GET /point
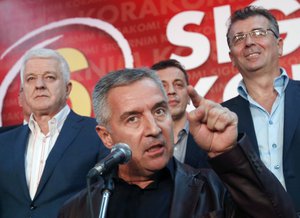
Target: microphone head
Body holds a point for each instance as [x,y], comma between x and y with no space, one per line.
[125,149]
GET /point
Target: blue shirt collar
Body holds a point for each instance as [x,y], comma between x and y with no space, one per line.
[280,84]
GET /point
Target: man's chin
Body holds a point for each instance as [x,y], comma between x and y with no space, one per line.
[158,164]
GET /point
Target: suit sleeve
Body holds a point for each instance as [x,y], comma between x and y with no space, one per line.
[254,189]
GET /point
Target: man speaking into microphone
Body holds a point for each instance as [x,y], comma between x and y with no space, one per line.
[120,154]
[131,107]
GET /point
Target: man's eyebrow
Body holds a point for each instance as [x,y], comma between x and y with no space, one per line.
[163,104]
[127,114]
[256,28]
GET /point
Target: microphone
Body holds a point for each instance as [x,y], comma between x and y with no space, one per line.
[120,154]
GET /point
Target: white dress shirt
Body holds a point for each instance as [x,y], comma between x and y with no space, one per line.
[39,146]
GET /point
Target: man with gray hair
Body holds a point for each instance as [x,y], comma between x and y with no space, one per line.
[44,163]
[131,107]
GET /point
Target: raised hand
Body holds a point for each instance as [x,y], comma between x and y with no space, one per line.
[214,127]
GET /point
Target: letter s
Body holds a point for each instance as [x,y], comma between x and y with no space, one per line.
[197,42]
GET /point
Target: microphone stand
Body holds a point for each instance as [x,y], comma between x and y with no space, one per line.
[107,189]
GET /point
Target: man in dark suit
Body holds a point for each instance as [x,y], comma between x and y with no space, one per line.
[175,81]
[44,163]
[268,101]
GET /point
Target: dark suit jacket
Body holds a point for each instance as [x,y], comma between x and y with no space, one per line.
[200,193]
[195,156]
[77,149]
[7,128]
[291,135]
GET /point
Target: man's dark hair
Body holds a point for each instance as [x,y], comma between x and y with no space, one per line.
[171,63]
[251,11]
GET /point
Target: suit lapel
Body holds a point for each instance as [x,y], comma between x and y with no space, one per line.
[19,154]
[191,155]
[291,113]
[186,193]
[195,156]
[245,123]
[68,132]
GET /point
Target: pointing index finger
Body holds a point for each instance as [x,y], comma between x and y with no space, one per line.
[195,97]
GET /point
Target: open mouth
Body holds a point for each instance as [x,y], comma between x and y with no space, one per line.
[155,150]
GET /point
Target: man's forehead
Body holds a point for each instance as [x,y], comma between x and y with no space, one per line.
[253,22]
[139,92]
[41,64]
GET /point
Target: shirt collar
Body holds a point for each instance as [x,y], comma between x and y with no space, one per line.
[280,84]
[185,129]
[55,122]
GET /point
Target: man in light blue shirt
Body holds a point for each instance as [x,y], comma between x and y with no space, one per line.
[268,101]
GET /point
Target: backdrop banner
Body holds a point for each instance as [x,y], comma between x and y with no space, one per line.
[99,36]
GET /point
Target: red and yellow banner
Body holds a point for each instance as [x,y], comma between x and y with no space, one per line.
[98,36]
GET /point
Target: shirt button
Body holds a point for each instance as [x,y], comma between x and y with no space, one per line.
[276,167]
[274,145]
[270,122]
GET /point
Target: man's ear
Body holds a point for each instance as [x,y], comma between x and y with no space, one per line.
[68,89]
[231,58]
[105,136]
[280,46]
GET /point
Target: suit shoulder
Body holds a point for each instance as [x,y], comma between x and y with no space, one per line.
[294,82]
[13,132]
[90,120]
[231,101]
[83,119]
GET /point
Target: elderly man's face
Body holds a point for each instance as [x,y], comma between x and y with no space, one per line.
[44,88]
[140,118]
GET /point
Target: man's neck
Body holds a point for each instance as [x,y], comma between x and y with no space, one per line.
[261,89]
[132,176]
[42,118]
[42,122]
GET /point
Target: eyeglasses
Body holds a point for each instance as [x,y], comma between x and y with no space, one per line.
[254,34]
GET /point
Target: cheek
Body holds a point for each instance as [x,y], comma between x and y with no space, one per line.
[126,135]
[167,130]
[57,91]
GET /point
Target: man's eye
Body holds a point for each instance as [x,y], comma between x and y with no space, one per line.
[132,119]
[238,38]
[50,77]
[258,33]
[179,85]
[160,112]
[30,78]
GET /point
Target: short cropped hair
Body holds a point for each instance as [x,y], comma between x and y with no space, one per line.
[114,79]
[251,11]
[171,63]
[46,53]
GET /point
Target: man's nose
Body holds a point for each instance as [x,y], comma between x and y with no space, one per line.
[40,83]
[249,40]
[171,90]
[151,126]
